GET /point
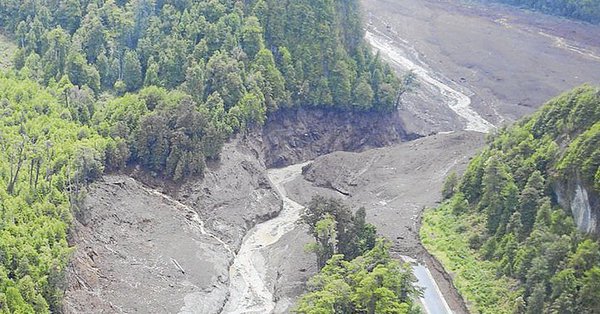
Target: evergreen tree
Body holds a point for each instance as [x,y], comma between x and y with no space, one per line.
[530,198]
[252,37]
[132,71]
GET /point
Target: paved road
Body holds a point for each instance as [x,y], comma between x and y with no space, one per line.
[433,301]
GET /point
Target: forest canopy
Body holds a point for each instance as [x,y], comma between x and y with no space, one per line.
[513,246]
[99,86]
[279,53]
[357,274]
[585,10]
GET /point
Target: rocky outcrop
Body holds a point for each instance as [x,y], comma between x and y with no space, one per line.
[294,135]
[583,202]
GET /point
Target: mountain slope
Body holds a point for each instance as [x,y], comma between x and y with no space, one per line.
[105,86]
[507,232]
[270,52]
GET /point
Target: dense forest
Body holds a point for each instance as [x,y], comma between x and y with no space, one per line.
[99,86]
[56,139]
[279,53]
[511,245]
[585,10]
[357,273]
[44,154]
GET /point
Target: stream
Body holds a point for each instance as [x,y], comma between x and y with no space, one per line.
[249,287]
[250,291]
[456,100]
[432,300]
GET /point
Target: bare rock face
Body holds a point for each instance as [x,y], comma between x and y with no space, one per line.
[141,250]
[294,135]
[583,202]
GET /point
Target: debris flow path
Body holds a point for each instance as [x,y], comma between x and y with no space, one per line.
[249,288]
[456,100]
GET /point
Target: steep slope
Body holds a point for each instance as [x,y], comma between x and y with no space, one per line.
[126,259]
[141,250]
[161,86]
[518,234]
[265,54]
[296,135]
[45,159]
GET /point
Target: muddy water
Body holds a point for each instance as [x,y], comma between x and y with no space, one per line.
[456,100]
[250,289]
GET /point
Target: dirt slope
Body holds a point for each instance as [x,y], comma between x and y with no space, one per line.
[394,184]
[126,260]
[139,250]
[133,241]
[292,136]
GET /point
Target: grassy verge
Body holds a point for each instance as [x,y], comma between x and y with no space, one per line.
[446,236]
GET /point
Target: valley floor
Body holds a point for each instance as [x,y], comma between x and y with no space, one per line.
[394,184]
[507,62]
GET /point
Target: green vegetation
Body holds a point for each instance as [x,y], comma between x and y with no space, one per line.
[370,283]
[237,62]
[54,141]
[46,156]
[512,248]
[357,274]
[98,86]
[337,230]
[586,10]
[275,53]
[7,50]
[443,233]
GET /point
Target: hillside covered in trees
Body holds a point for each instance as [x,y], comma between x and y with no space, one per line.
[357,273]
[507,233]
[100,85]
[54,141]
[276,53]
[585,10]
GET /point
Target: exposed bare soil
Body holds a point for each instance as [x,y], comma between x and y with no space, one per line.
[394,184]
[142,251]
[508,60]
[150,248]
